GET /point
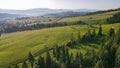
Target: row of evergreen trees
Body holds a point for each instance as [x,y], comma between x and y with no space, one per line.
[91,36]
[8,28]
[60,57]
[114,19]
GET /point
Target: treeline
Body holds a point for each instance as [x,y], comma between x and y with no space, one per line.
[8,28]
[91,36]
[114,19]
[104,11]
[60,57]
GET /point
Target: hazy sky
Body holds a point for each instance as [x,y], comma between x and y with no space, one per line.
[59,4]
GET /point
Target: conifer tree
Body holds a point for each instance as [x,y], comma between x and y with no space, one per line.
[24,65]
[93,34]
[112,32]
[54,53]
[100,30]
[16,66]
[73,42]
[118,37]
[41,62]
[48,60]
[79,37]
[31,59]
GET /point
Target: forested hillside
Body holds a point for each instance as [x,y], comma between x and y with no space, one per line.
[90,41]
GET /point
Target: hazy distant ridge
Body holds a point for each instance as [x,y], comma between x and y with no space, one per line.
[42,11]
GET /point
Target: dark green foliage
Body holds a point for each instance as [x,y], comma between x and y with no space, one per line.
[114,19]
[73,41]
[106,57]
[93,35]
[41,62]
[79,37]
[62,65]
[99,64]
[48,60]
[100,30]
[9,67]
[111,32]
[108,52]
[90,36]
[16,66]
[8,28]
[89,59]
[31,59]
[24,65]
[118,36]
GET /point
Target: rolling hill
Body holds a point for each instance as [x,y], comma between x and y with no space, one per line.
[14,47]
[94,18]
[42,11]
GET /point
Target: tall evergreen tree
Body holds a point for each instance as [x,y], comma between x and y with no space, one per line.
[93,34]
[79,37]
[16,66]
[31,59]
[118,37]
[100,30]
[48,60]
[41,62]
[112,32]
[24,65]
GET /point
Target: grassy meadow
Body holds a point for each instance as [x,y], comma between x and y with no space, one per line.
[94,18]
[14,47]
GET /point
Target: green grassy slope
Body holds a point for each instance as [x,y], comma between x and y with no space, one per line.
[32,20]
[95,18]
[14,47]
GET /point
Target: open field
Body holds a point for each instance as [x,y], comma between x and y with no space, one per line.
[94,18]
[14,47]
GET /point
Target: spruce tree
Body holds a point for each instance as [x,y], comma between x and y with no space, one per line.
[118,37]
[31,59]
[41,62]
[54,53]
[79,37]
[16,66]
[24,65]
[48,60]
[112,32]
[100,30]
[93,34]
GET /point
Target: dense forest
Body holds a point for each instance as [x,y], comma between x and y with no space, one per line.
[8,28]
[107,55]
[114,19]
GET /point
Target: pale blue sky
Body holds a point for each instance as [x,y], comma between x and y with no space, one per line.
[59,4]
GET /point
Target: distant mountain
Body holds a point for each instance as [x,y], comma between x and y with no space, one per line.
[42,11]
[9,16]
[67,14]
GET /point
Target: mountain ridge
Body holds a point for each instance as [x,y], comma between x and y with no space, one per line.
[42,11]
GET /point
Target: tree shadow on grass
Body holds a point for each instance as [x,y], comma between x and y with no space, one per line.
[83,45]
